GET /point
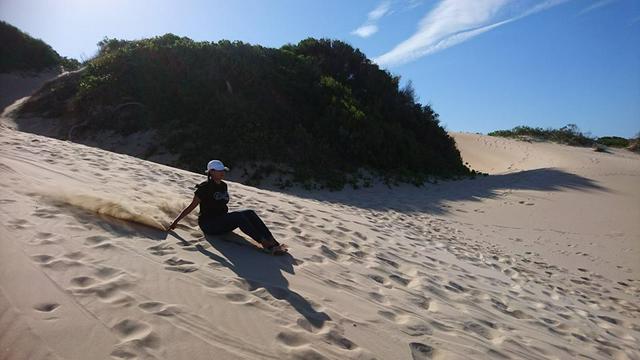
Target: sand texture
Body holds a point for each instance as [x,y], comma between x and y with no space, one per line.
[537,261]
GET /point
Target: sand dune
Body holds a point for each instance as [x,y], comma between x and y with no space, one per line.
[538,261]
[15,86]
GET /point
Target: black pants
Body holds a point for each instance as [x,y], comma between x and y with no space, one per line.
[247,220]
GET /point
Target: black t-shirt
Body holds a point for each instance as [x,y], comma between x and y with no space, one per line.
[213,198]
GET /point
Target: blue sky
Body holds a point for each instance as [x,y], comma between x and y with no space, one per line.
[481,64]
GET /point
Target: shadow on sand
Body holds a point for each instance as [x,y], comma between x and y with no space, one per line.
[245,259]
[431,197]
[260,270]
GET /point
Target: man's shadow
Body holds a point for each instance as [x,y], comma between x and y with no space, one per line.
[260,270]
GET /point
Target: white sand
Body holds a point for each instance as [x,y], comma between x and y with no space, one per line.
[539,261]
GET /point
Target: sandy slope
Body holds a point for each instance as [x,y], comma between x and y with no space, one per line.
[15,86]
[536,262]
[578,207]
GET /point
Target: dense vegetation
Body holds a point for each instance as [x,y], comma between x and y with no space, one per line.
[614,141]
[569,134]
[21,52]
[318,111]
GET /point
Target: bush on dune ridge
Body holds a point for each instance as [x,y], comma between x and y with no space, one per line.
[569,134]
[319,108]
[614,141]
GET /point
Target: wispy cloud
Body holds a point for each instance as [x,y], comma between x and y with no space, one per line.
[365,30]
[596,5]
[380,10]
[414,3]
[452,22]
[370,27]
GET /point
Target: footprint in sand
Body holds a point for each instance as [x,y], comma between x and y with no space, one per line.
[441,326]
[191,245]
[422,302]
[108,287]
[46,213]
[399,279]
[42,259]
[377,278]
[609,319]
[44,238]
[357,256]
[478,329]
[105,272]
[75,255]
[182,269]
[339,285]
[161,250]
[389,315]
[174,261]
[316,259]
[43,235]
[236,297]
[420,351]
[19,224]
[46,307]
[292,339]
[159,308]
[328,252]
[455,287]
[151,306]
[52,263]
[416,327]
[137,337]
[95,240]
[336,338]
[360,236]
[105,246]
[83,281]
[177,264]
[388,261]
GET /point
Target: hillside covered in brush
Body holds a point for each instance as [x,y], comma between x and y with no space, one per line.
[21,52]
[316,112]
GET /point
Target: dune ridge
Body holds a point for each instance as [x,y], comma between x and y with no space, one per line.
[456,270]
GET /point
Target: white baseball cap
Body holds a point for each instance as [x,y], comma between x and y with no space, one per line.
[216,165]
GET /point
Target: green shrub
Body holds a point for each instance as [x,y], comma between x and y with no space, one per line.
[613,141]
[320,108]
